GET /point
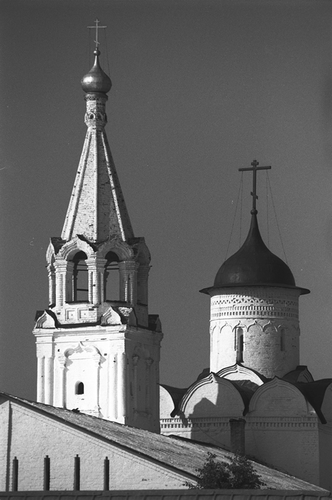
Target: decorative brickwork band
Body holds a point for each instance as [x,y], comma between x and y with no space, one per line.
[274,303]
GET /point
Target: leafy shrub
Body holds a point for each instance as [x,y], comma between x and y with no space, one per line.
[220,475]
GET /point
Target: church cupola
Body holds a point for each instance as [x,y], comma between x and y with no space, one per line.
[254,264]
[254,307]
[96,80]
[97,345]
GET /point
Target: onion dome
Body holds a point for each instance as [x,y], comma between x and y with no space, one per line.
[254,265]
[96,80]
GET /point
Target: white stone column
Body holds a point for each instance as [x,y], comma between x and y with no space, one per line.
[135,382]
[48,381]
[95,376]
[96,279]
[40,379]
[51,284]
[63,282]
[112,391]
[128,281]
[122,386]
[58,396]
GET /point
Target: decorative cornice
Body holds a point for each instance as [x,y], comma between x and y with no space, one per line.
[207,422]
[250,303]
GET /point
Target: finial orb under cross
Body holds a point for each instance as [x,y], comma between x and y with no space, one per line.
[254,167]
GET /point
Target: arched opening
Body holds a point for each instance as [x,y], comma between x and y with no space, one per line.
[239,345]
[79,388]
[111,277]
[80,278]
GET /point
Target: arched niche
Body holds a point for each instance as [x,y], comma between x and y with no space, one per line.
[79,388]
[212,397]
[279,398]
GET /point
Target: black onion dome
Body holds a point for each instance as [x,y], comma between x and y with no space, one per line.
[254,265]
[96,80]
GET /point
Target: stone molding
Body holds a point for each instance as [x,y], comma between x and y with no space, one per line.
[208,422]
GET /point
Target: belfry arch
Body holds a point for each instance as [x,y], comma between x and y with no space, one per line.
[80,278]
[111,277]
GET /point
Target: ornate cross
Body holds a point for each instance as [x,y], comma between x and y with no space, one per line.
[97,27]
[254,169]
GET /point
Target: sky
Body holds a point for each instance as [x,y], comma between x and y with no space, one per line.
[200,89]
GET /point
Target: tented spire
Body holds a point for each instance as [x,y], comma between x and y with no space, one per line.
[97,208]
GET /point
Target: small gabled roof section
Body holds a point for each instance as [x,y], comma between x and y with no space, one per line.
[239,372]
[170,395]
[314,392]
[300,374]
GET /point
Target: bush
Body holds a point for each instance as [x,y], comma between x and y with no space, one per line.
[220,475]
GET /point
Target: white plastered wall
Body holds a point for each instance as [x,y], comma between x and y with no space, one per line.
[31,436]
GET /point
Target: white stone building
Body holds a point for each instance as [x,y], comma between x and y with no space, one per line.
[255,375]
[98,359]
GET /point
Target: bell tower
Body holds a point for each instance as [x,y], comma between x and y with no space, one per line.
[97,346]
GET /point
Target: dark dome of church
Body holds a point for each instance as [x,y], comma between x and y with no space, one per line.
[96,80]
[253,265]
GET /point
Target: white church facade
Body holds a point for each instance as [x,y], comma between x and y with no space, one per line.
[98,391]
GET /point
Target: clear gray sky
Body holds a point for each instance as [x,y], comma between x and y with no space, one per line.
[200,88]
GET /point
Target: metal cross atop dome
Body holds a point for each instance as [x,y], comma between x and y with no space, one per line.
[254,167]
[97,27]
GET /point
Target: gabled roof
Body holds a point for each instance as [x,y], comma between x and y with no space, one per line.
[181,455]
[300,374]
